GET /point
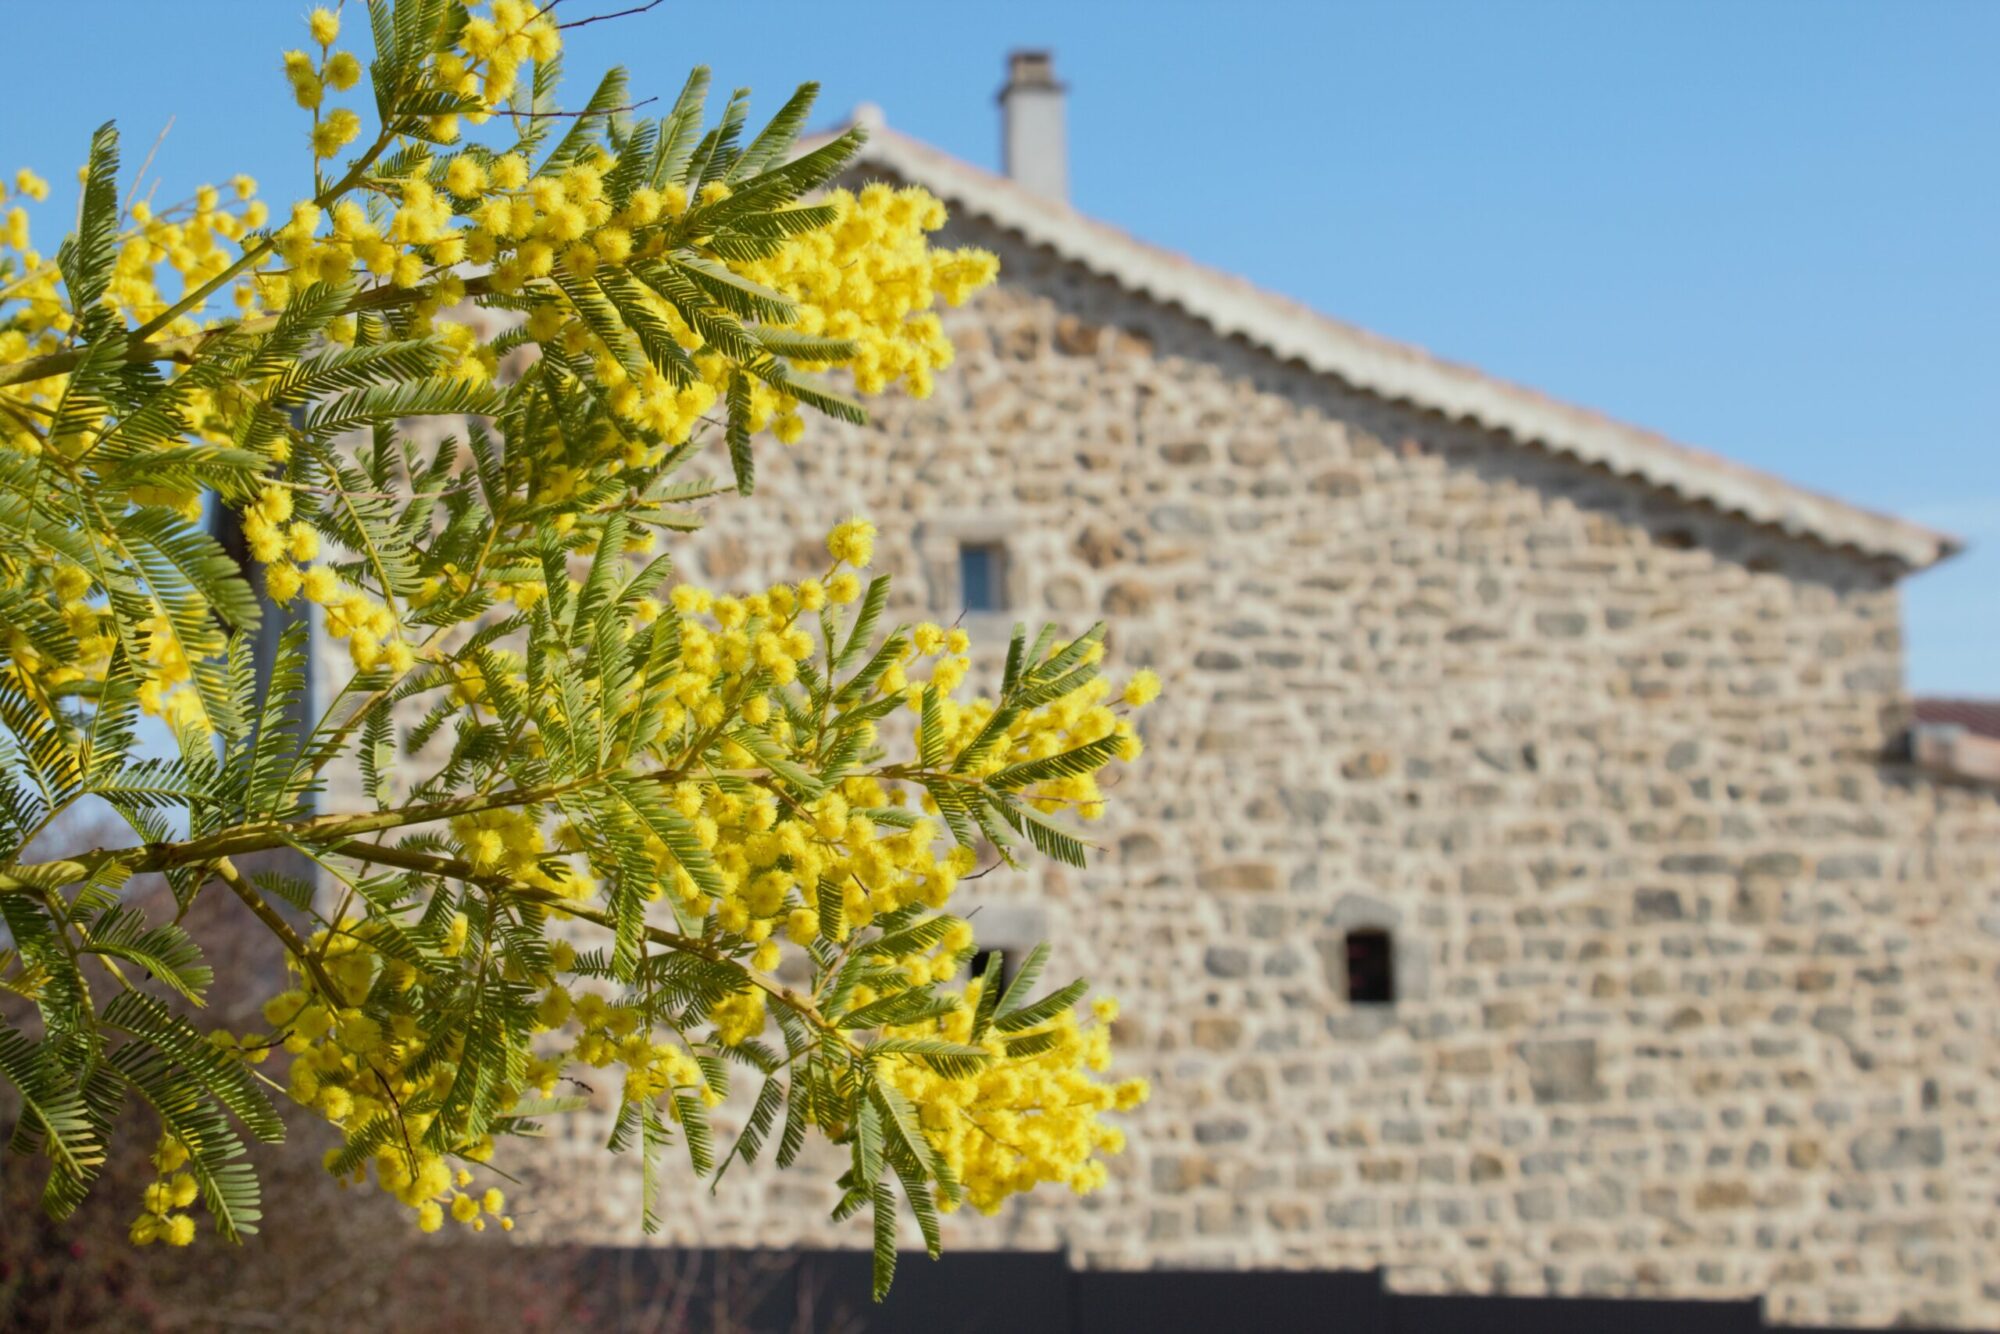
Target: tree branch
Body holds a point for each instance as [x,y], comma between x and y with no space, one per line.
[226,871]
[187,347]
[454,869]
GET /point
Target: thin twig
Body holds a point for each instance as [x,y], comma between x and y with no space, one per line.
[133,193]
[599,18]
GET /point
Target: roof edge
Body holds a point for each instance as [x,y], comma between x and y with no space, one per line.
[1400,372]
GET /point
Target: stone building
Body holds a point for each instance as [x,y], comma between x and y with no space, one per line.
[1533,882]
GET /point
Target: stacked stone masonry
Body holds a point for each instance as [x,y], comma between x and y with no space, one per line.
[1696,985]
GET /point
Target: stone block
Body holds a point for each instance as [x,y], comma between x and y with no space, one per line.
[1562,1070]
[1365,764]
[1238,875]
[1657,905]
[1216,1034]
[1226,961]
[1710,1195]
[1898,1148]
[1225,1130]
[1182,521]
[1561,624]
[1488,878]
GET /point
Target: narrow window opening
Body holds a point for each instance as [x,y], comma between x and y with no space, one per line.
[982,576]
[1371,970]
[997,963]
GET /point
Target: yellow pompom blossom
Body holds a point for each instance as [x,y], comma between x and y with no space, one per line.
[342,71]
[872,278]
[365,1068]
[161,1218]
[1142,689]
[738,1018]
[337,131]
[1019,1123]
[853,543]
[616,830]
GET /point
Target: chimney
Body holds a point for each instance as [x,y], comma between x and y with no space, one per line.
[1032,144]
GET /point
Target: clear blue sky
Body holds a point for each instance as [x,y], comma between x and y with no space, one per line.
[1771,230]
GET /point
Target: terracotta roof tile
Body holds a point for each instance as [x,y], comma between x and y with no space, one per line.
[1981,717]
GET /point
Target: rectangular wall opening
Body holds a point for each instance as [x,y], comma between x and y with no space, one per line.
[1371,968]
[982,576]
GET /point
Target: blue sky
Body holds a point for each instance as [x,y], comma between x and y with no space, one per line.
[1770,230]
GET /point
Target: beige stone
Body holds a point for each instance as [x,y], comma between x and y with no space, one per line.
[1616,771]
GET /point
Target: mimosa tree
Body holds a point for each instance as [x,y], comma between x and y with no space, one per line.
[621,803]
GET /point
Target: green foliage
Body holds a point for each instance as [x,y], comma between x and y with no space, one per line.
[542,727]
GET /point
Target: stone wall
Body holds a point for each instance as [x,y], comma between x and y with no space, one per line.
[1696,989]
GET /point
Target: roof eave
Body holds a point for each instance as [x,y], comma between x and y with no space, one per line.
[1401,373]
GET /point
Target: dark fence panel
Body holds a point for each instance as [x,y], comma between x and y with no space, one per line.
[1569,1315]
[1144,1302]
[974,1292]
[1013,1292]
[660,1291]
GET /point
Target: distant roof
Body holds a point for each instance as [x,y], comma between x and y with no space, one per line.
[1398,371]
[1981,717]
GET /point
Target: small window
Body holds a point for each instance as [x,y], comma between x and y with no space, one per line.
[1371,969]
[997,962]
[982,576]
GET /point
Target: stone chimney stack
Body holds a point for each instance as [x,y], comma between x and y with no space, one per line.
[1033,146]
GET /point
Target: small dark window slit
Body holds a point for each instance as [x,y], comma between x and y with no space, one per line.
[1371,968]
[982,576]
[996,960]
